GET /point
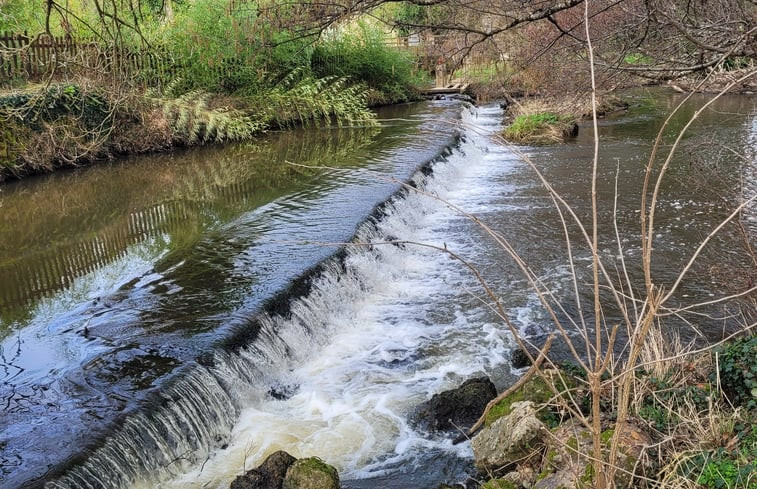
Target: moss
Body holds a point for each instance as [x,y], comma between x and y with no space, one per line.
[535,390]
[499,484]
[572,443]
[606,436]
[311,473]
[316,464]
[538,391]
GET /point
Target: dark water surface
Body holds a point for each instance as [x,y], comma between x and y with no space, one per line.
[127,291]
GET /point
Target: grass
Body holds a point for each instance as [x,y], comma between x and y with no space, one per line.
[541,128]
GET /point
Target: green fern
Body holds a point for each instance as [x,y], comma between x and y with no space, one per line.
[303,99]
[193,122]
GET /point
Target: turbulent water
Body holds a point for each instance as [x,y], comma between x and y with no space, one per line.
[378,329]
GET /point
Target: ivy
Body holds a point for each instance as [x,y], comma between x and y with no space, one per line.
[738,371]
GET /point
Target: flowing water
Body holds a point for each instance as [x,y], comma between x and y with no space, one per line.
[147,335]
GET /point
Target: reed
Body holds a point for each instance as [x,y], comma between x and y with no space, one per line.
[631,372]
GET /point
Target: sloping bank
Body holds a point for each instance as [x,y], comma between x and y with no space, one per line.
[66,125]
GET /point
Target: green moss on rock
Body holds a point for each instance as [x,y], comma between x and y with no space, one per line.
[311,473]
[498,484]
[538,391]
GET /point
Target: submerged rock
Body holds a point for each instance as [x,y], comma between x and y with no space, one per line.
[519,359]
[311,473]
[509,439]
[457,408]
[269,475]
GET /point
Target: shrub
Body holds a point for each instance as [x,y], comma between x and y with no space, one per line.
[738,371]
[363,57]
[223,51]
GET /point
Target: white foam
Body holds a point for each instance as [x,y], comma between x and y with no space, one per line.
[371,342]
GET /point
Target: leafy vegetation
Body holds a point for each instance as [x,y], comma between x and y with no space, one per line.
[219,72]
[541,128]
[362,56]
[738,371]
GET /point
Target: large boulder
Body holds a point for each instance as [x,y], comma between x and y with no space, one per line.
[311,473]
[566,462]
[269,475]
[458,408]
[509,439]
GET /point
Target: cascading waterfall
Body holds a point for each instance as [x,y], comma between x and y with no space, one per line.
[188,419]
[379,331]
[387,325]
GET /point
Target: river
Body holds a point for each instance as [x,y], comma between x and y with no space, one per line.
[148,338]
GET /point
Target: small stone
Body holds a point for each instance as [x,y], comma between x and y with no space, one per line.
[519,359]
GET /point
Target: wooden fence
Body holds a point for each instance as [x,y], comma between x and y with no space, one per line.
[33,57]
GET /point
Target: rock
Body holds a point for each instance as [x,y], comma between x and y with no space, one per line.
[523,476]
[509,439]
[571,131]
[566,465]
[269,475]
[457,408]
[311,473]
[498,484]
[519,359]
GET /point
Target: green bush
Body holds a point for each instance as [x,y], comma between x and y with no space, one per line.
[222,51]
[34,108]
[363,57]
[737,362]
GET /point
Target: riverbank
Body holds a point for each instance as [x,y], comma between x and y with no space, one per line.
[68,125]
[689,424]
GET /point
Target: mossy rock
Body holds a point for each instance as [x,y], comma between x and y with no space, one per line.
[565,462]
[538,391]
[311,473]
[498,484]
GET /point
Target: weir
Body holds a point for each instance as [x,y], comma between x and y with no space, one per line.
[179,427]
[338,358]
